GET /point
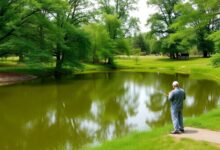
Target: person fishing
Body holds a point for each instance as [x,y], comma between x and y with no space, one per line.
[176,97]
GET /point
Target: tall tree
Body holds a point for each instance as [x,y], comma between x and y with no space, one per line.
[13,15]
[121,9]
[71,44]
[161,22]
[101,43]
[43,30]
[140,42]
[117,20]
[198,20]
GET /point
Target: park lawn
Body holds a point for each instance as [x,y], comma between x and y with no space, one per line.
[196,66]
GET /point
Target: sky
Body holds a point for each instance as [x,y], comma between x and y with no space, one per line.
[143,13]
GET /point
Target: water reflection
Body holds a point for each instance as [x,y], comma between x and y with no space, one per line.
[91,108]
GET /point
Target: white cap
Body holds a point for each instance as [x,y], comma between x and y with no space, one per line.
[175,84]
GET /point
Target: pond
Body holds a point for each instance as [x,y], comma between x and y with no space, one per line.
[88,109]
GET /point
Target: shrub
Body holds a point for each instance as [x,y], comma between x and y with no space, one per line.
[216,60]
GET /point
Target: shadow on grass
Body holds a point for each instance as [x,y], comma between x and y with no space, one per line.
[176,60]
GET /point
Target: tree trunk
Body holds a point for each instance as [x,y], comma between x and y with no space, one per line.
[205,54]
[172,55]
[177,55]
[95,58]
[110,60]
[21,58]
[59,62]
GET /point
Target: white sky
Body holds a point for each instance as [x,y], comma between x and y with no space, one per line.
[143,13]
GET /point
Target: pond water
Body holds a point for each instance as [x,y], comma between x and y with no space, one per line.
[91,108]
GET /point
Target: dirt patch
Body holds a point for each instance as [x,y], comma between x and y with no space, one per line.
[12,78]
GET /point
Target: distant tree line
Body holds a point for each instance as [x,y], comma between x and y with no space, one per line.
[66,33]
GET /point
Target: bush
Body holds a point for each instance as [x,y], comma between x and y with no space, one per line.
[216,60]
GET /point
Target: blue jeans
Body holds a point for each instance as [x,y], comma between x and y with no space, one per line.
[177,119]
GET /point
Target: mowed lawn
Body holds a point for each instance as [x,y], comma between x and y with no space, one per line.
[164,64]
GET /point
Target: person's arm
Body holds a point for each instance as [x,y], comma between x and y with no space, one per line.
[170,96]
[184,97]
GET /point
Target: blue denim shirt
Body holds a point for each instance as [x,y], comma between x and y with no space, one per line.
[176,97]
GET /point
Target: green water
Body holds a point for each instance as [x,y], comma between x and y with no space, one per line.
[88,109]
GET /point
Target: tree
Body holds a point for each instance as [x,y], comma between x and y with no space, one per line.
[161,22]
[140,42]
[112,24]
[123,46]
[117,21]
[215,37]
[39,31]
[13,17]
[101,43]
[71,44]
[13,14]
[197,21]
[121,10]
[80,11]
[153,43]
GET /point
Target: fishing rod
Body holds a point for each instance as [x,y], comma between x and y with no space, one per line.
[162,92]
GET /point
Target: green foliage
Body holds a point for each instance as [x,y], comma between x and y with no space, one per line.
[216,38]
[181,25]
[216,60]
[112,24]
[123,46]
[153,43]
[44,31]
[140,42]
[161,23]
[76,48]
[133,27]
[121,10]
[101,44]
[197,21]
[38,58]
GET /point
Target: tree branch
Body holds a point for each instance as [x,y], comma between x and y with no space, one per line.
[23,20]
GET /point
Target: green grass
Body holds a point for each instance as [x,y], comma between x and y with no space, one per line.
[197,67]
[211,120]
[37,71]
[157,139]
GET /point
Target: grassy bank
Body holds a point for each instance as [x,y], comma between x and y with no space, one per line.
[197,67]
[159,138]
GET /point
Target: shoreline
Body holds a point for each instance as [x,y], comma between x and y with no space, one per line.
[14,78]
